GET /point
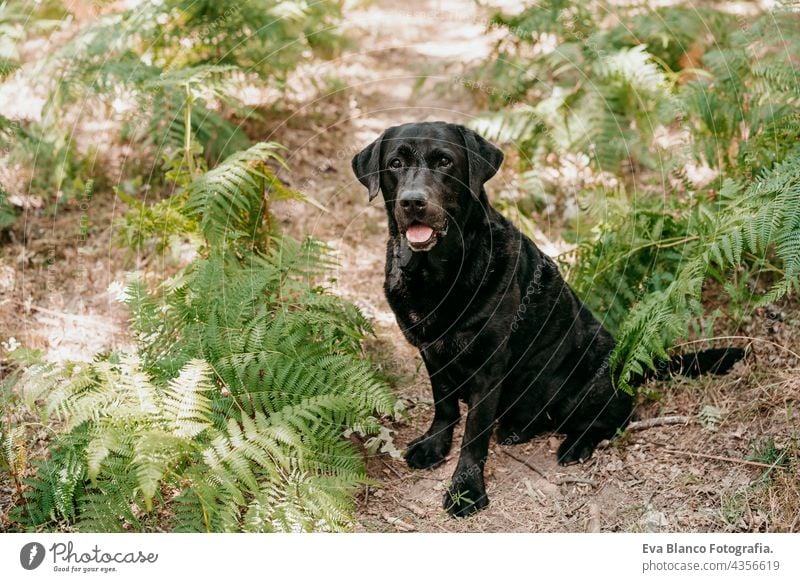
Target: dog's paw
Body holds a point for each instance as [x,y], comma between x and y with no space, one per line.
[465,496]
[426,452]
[575,450]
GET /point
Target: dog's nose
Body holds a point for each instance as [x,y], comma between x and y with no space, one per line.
[413,200]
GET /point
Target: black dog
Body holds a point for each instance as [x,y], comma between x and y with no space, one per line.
[494,321]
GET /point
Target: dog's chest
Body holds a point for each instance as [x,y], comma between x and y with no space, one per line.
[419,316]
[451,346]
[419,325]
[433,329]
[436,309]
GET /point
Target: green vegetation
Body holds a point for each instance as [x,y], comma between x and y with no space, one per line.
[155,69]
[640,96]
[230,414]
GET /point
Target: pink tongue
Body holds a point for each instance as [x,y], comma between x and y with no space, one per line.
[419,233]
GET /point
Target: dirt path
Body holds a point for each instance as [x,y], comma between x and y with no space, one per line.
[55,276]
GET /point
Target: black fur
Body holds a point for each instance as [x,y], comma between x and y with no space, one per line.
[494,321]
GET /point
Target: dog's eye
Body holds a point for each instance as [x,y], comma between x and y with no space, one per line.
[444,162]
[396,163]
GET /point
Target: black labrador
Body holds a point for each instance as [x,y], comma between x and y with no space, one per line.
[495,323]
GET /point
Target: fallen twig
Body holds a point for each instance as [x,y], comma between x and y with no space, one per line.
[658,421]
[564,479]
[571,512]
[528,464]
[412,507]
[593,525]
[392,469]
[398,523]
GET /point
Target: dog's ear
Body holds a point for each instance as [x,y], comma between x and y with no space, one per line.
[367,167]
[483,159]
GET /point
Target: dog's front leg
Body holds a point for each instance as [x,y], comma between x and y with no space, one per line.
[467,492]
[430,449]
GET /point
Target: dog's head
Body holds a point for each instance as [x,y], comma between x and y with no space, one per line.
[431,174]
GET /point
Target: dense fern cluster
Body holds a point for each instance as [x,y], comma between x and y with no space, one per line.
[231,414]
[589,92]
[582,84]
[270,457]
[743,228]
[644,94]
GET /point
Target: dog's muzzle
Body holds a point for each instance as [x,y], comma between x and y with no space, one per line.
[423,237]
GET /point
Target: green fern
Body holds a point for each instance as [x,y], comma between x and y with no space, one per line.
[592,93]
[164,51]
[167,71]
[225,206]
[148,439]
[247,374]
[649,244]
[764,218]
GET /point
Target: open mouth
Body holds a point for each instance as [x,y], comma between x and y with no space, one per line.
[422,237]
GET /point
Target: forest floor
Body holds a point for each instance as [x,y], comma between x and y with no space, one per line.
[730,466]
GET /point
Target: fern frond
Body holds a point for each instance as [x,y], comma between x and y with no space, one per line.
[186,405]
[228,200]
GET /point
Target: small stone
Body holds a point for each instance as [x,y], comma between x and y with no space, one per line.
[654,521]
